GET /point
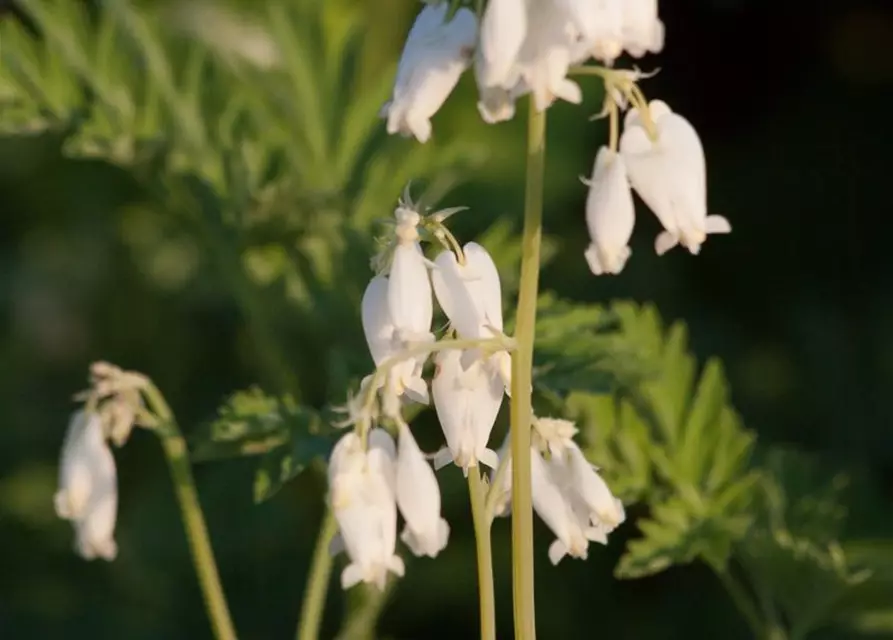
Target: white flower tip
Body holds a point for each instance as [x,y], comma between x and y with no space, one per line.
[90,549]
[717,224]
[396,566]
[664,242]
[351,576]
[490,458]
[612,263]
[429,543]
[597,534]
[442,458]
[557,551]
[416,389]
[63,506]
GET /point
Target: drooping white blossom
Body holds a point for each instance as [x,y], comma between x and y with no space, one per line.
[669,173]
[567,492]
[546,55]
[610,214]
[384,341]
[362,493]
[561,513]
[88,487]
[608,27]
[471,297]
[555,434]
[418,497]
[467,403]
[503,29]
[643,31]
[605,510]
[599,24]
[495,103]
[435,54]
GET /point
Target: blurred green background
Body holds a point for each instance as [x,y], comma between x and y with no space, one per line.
[791,101]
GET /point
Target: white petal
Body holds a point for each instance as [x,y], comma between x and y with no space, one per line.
[546,55]
[610,214]
[483,283]
[552,505]
[643,32]
[409,291]
[454,297]
[418,497]
[434,56]
[88,487]
[670,175]
[593,490]
[503,28]
[467,403]
[377,324]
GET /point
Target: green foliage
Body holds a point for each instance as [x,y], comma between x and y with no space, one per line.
[662,434]
[795,558]
[286,436]
[666,436]
[268,147]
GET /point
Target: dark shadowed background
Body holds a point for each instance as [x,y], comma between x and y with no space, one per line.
[793,102]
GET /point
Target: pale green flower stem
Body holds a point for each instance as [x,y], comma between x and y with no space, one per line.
[522,376]
[177,455]
[317,581]
[481,519]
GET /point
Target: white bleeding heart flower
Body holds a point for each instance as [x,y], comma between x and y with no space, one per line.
[471,297]
[503,30]
[561,513]
[610,214]
[605,510]
[418,497]
[88,487]
[495,103]
[555,434]
[436,53]
[643,31]
[467,403]
[546,55]
[600,26]
[362,494]
[669,173]
[385,340]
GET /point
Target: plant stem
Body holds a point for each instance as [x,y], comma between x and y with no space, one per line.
[177,455]
[522,366]
[744,603]
[484,555]
[317,581]
[360,622]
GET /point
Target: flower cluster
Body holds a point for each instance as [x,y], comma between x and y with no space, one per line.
[521,47]
[661,157]
[88,481]
[372,478]
[567,492]
[518,47]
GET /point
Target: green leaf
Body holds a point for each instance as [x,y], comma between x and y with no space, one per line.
[288,460]
[288,436]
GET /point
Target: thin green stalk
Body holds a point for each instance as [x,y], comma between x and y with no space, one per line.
[522,366]
[364,612]
[177,455]
[484,555]
[744,603]
[317,581]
